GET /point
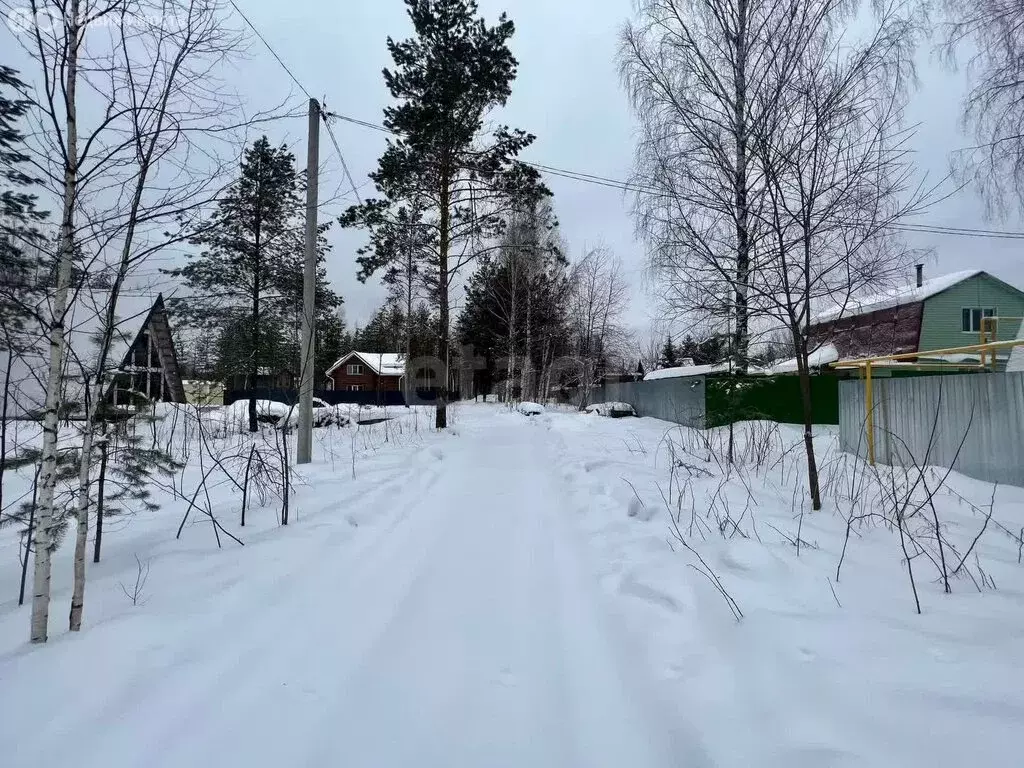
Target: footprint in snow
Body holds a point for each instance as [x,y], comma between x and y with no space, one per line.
[639,510]
[630,587]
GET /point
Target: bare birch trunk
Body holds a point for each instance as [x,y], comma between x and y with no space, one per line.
[82,528]
[527,390]
[48,475]
[546,372]
[742,201]
[146,148]
[510,368]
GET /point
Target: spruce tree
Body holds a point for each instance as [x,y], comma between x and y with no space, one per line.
[446,80]
[248,276]
[332,341]
[515,305]
[130,463]
[668,355]
[19,236]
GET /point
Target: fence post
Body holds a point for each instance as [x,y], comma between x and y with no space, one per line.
[869,396]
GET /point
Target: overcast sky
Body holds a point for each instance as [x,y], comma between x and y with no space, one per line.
[568,94]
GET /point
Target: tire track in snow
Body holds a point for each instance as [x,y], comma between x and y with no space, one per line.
[502,654]
[463,628]
[210,671]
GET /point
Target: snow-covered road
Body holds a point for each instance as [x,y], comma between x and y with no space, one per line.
[513,592]
[465,628]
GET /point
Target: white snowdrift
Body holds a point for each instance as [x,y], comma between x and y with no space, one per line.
[684,371]
[611,409]
[820,357]
[530,409]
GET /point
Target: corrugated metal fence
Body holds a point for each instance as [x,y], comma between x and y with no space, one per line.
[680,400]
[974,420]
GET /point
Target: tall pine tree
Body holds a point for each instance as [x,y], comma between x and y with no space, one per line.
[248,277]
[446,80]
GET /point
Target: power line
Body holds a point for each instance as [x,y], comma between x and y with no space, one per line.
[955,232]
[330,131]
[270,48]
[625,186]
[582,176]
[344,165]
[363,123]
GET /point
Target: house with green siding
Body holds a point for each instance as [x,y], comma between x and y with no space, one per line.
[935,314]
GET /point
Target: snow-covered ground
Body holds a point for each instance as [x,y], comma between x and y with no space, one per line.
[534,592]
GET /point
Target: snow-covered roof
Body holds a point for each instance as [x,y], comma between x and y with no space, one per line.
[381,363]
[683,371]
[816,359]
[895,297]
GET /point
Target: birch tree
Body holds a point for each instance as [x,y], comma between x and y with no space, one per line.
[702,76]
[144,162]
[599,295]
[839,176]
[988,33]
[60,90]
[515,304]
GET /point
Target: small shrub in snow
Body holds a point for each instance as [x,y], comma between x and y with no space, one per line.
[531,409]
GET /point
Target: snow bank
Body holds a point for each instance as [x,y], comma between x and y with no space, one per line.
[530,409]
[814,677]
[612,409]
[684,371]
[264,408]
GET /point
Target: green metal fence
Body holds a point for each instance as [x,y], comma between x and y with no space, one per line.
[772,398]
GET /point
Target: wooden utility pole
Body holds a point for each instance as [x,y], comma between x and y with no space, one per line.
[304,454]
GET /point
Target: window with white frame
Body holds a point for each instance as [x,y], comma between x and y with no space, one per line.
[970,318]
[355,387]
[355,370]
